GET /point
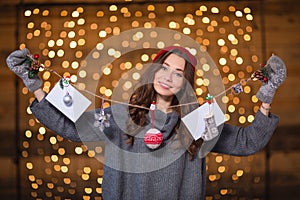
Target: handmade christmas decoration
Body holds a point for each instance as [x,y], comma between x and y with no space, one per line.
[102,119]
[153,137]
[64,84]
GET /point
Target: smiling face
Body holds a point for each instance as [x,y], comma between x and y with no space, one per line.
[169,79]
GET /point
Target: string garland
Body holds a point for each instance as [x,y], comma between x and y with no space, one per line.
[34,66]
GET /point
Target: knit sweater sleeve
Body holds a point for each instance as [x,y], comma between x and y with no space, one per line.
[83,130]
[243,141]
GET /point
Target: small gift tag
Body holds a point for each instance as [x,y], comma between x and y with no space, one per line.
[68,100]
[195,122]
[237,88]
[211,130]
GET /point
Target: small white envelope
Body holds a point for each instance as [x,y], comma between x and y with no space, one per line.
[194,121]
[79,105]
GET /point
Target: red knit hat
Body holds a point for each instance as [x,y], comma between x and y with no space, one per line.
[183,50]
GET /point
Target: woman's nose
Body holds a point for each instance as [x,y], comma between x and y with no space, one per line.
[169,76]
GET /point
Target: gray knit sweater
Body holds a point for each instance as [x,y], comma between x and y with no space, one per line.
[136,172]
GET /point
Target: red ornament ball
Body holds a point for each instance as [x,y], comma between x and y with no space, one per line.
[153,138]
[36,56]
[265,79]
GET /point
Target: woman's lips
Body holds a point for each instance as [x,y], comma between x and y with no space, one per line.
[164,86]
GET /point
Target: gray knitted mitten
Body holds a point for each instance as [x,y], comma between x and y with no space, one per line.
[211,130]
[276,71]
[17,62]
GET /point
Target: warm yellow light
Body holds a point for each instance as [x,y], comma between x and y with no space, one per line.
[234,52]
[71,34]
[203,8]
[30,25]
[231,37]
[145,57]
[225,19]
[102,34]
[28,133]
[151,8]
[54,158]
[29,165]
[75,14]
[249,17]
[27,13]
[64,169]
[81,21]
[206,67]
[222,61]
[127,85]
[239,172]
[87,170]
[73,44]
[53,140]
[78,150]
[247,37]
[108,93]
[215,10]
[88,190]
[250,118]
[247,89]
[238,13]
[173,25]
[205,20]
[239,60]
[63,13]
[100,14]
[231,108]
[113,18]
[221,42]
[231,77]
[219,159]
[199,91]
[221,169]
[85,177]
[60,53]
[42,130]
[113,8]
[223,191]
[170,9]
[242,119]
[227,116]
[212,177]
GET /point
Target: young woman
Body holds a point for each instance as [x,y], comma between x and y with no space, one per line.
[175,169]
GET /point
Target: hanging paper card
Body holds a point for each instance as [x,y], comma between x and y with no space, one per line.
[73,110]
[195,123]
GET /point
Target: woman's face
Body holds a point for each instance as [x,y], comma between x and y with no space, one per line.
[168,80]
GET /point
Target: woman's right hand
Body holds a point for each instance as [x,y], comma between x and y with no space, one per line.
[19,63]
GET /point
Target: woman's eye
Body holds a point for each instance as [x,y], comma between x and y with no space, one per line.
[179,75]
[163,68]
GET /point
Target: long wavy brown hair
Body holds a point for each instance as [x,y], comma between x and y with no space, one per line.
[145,94]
